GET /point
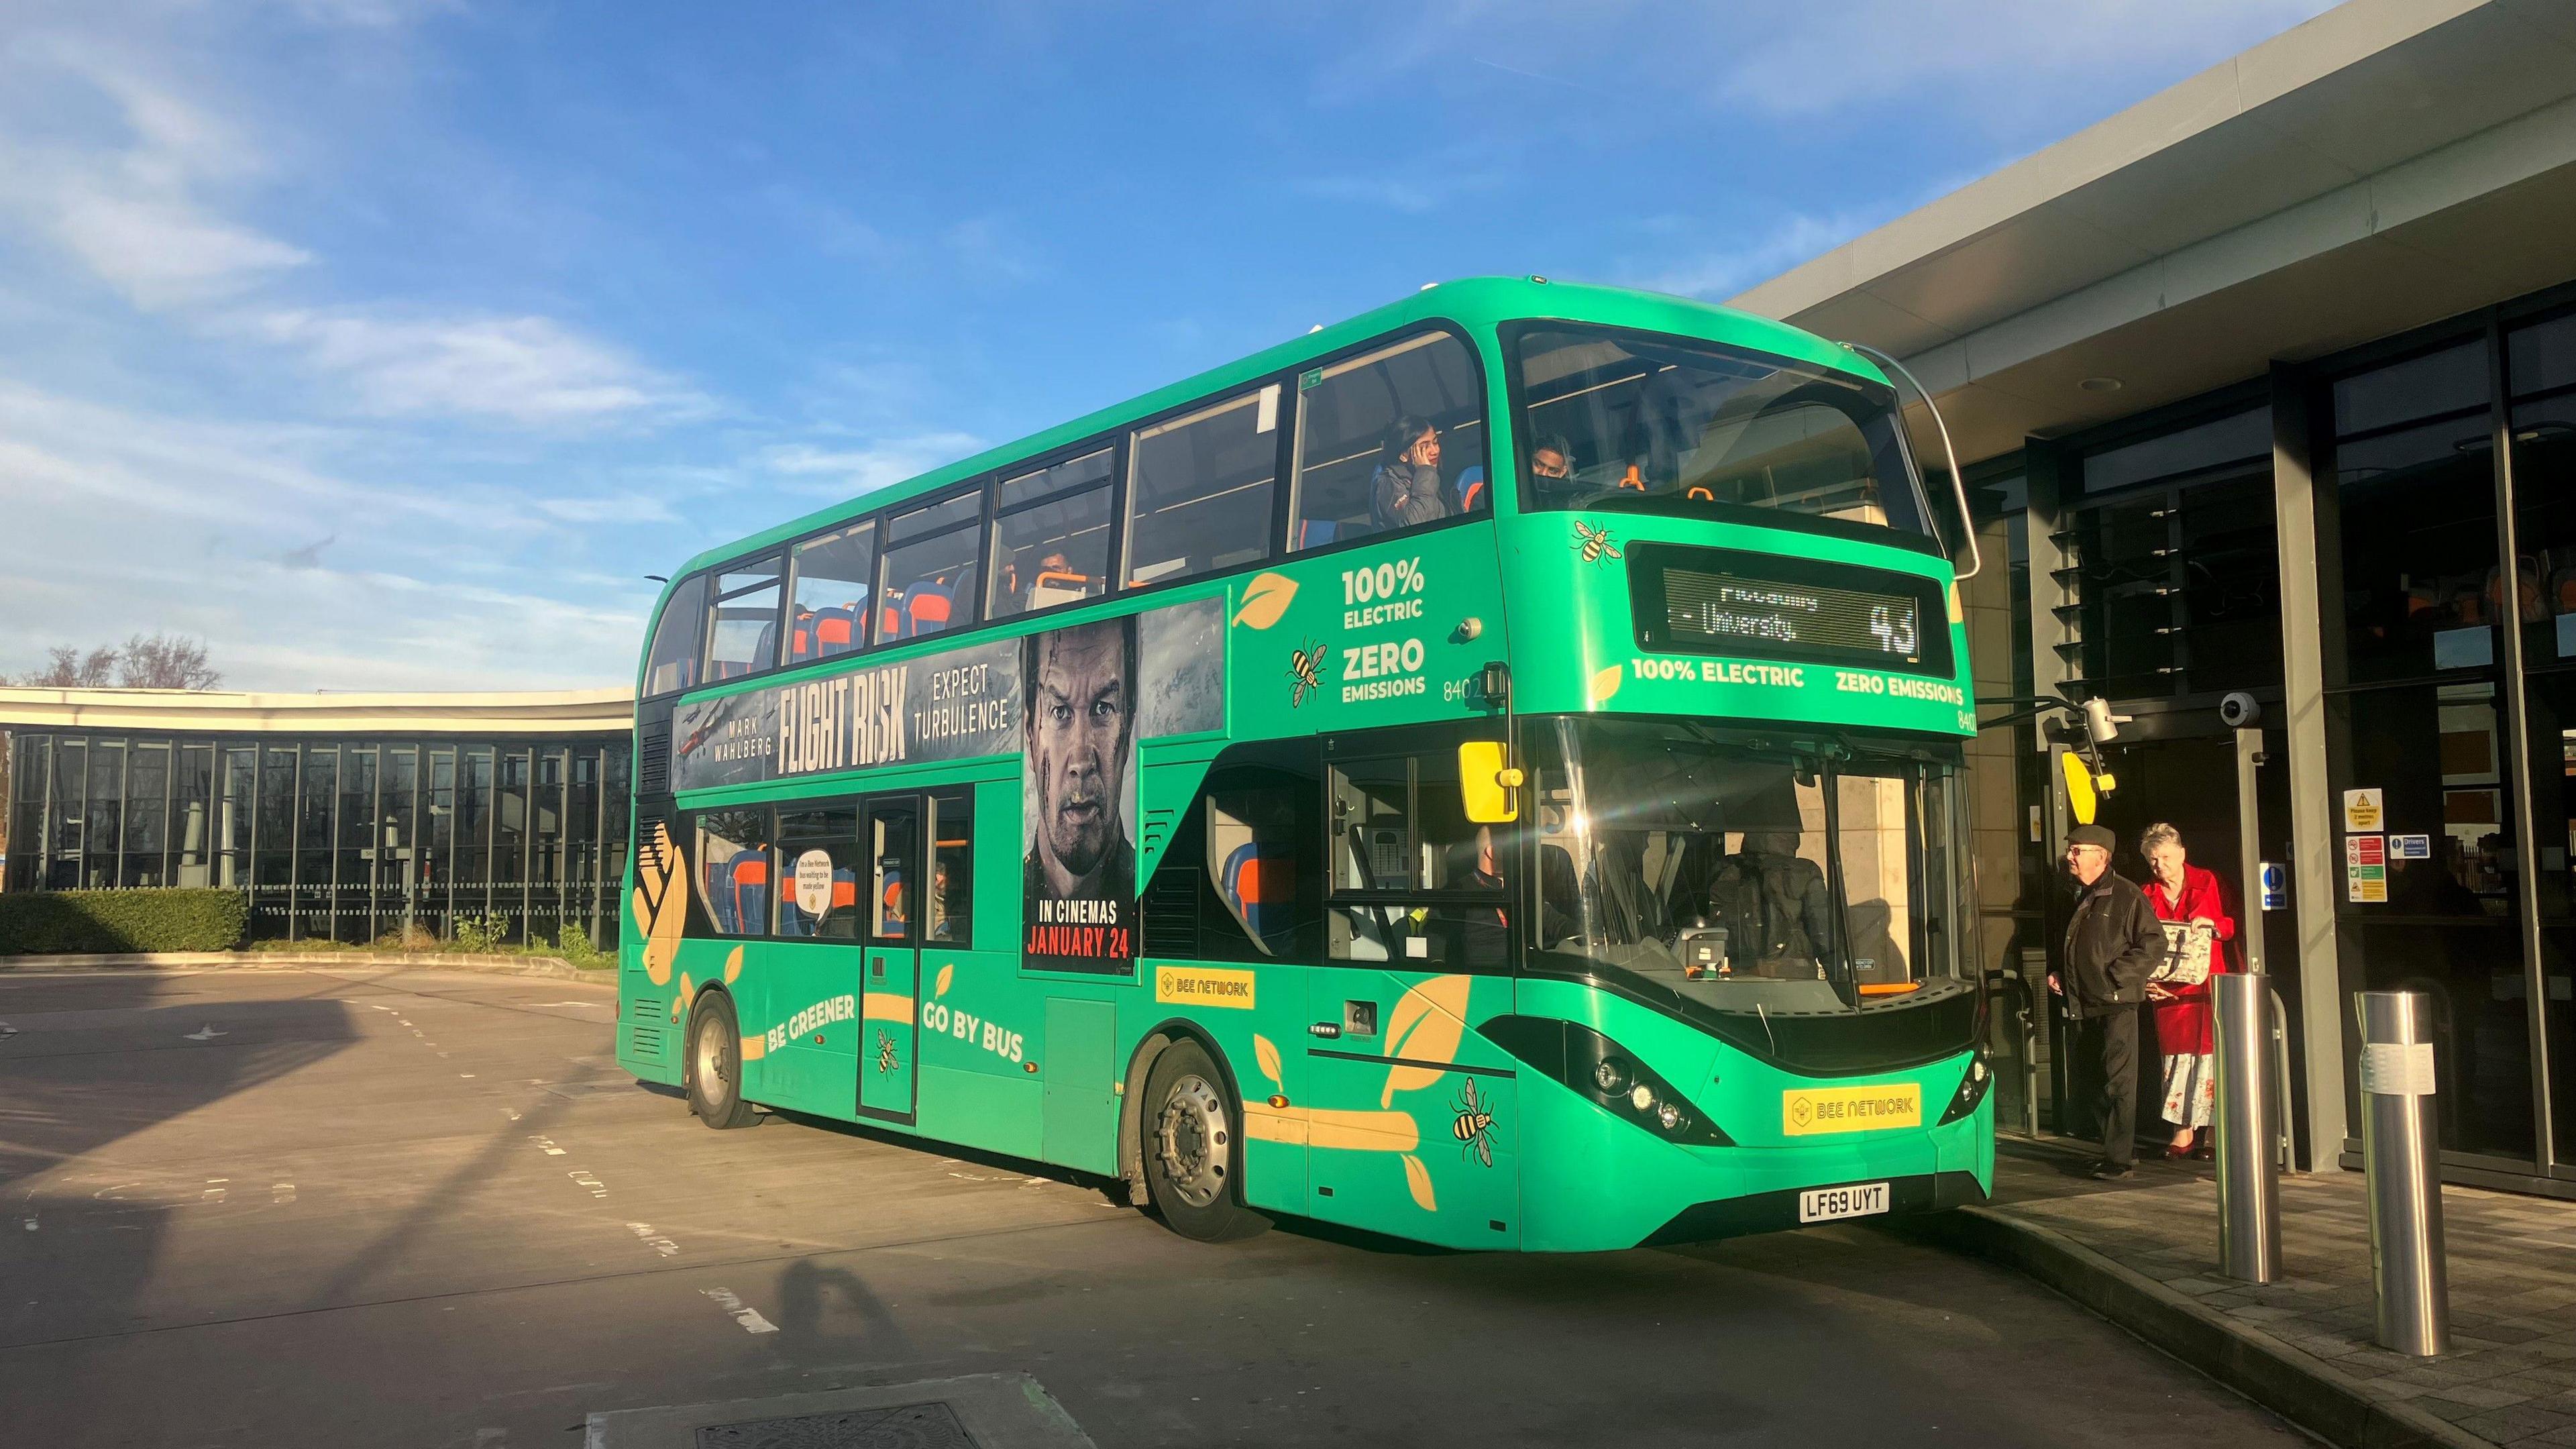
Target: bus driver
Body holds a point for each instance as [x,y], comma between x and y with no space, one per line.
[1080,685]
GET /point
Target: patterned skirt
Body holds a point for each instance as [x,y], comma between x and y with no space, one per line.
[2191,1088]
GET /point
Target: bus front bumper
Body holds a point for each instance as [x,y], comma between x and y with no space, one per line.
[1769,1212]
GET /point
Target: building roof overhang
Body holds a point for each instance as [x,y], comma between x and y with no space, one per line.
[184,711]
[2388,164]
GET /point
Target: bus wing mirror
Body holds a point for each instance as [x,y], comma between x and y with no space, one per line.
[1486,785]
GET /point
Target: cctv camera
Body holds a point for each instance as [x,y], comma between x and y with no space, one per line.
[2240,710]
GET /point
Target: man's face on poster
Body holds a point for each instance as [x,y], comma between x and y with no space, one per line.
[1078,742]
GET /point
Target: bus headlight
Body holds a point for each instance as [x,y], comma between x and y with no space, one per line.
[1973,1085]
[1605,1074]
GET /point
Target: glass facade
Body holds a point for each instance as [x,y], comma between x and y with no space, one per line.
[357,839]
[2147,570]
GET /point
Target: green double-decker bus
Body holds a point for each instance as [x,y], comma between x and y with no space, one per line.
[1486,772]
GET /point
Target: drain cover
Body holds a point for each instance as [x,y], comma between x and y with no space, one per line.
[905,1426]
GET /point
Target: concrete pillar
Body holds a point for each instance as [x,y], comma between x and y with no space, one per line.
[2311,657]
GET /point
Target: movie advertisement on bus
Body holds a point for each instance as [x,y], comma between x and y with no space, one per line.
[954,705]
[1092,691]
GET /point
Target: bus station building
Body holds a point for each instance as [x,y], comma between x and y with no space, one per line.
[2268,384]
[344,817]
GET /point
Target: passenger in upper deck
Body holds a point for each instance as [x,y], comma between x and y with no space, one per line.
[1405,490]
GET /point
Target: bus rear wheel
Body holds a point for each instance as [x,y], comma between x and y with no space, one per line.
[715,1065]
[1193,1148]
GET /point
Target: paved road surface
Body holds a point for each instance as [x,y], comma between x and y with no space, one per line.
[298,1208]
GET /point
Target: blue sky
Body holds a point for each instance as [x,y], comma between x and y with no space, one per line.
[389,343]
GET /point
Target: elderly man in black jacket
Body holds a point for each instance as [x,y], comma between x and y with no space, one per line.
[2112,946]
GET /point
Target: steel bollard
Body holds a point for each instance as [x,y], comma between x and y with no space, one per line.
[2249,1188]
[2399,1140]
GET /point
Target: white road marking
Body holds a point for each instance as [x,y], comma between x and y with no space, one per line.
[204,1033]
[583,1176]
[547,1143]
[31,1222]
[214,1189]
[748,1317]
[283,1192]
[469,1076]
[658,1243]
[514,1116]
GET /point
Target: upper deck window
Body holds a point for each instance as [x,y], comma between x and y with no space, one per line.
[1198,498]
[1051,540]
[742,622]
[1389,439]
[930,562]
[1672,425]
[672,662]
[830,593]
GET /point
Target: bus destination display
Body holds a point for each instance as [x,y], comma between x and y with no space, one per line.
[1703,601]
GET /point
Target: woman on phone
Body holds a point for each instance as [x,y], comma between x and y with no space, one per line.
[2185,894]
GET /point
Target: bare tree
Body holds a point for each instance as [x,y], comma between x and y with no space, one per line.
[161,661]
[145,661]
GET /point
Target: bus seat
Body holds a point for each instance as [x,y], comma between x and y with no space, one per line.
[1057,586]
[719,897]
[836,631]
[764,650]
[1258,885]
[845,889]
[892,920]
[1315,532]
[926,608]
[1471,490]
[749,879]
[800,637]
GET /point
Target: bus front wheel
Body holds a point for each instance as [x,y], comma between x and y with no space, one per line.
[715,1065]
[1193,1149]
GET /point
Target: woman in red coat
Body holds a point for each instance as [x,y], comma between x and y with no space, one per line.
[2182,892]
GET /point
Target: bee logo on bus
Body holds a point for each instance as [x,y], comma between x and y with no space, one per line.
[886,1060]
[1474,1127]
[1306,667]
[1593,543]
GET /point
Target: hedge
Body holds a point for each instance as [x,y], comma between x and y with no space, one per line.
[52,923]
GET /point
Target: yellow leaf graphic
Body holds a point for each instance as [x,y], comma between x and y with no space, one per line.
[1418,1178]
[947,974]
[754,1048]
[680,998]
[1605,683]
[733,966]
[1265,599]
[1426,1026]
[1268,1056]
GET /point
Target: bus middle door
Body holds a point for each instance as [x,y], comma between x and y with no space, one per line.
[891,984]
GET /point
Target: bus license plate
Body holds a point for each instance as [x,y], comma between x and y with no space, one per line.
[1823,1204]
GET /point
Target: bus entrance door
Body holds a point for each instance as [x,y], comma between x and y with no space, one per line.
[891,989]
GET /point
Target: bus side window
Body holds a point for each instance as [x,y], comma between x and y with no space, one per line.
[1413,881]
[1344,416]
[742,622]
[1051,536]
[1240,880]
[1198,492]
[951,901]
[931,557]
[816,867]
[829,592]
[732,862]
[672,662]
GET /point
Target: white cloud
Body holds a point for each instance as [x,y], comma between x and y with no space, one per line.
[1719,274]
[161,251]
[525,369]
[853,472]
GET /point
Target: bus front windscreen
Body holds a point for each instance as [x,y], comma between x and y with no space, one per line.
[1738,878]
[1641,422]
